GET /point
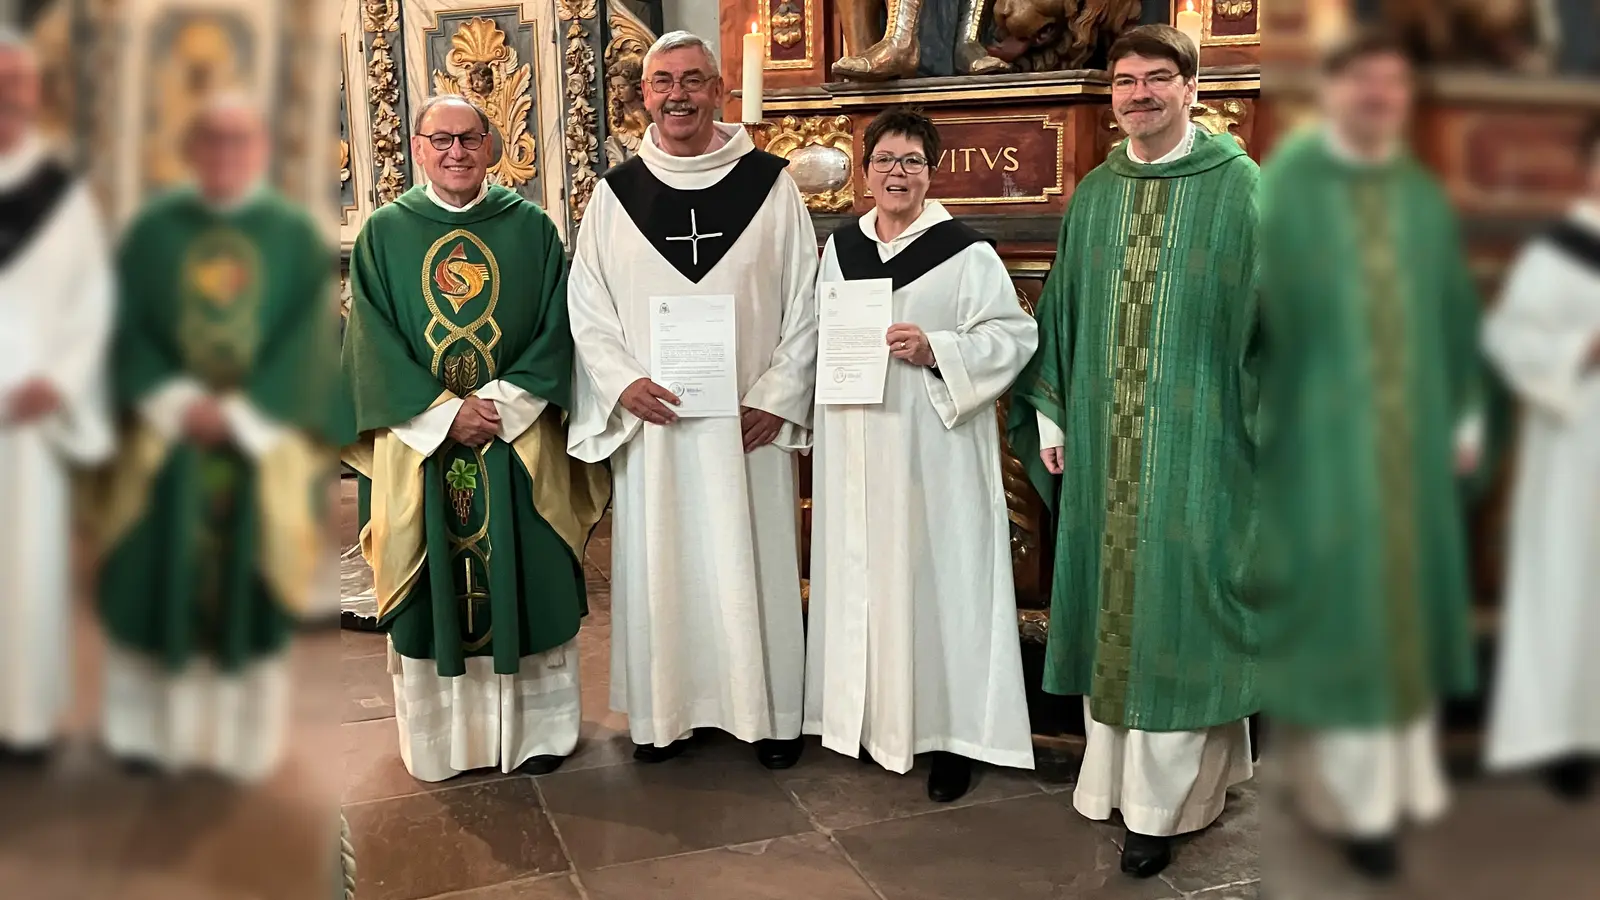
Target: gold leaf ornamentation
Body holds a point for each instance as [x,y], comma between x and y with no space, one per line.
[483,67]
[626,117]
[1233,10]
[791,133]
[583,145]
[381,18]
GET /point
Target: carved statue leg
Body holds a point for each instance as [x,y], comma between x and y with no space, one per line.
[895,56]
[858,21]
[972,58]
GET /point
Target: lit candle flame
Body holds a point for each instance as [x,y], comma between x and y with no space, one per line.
[1188,6]
[754,29]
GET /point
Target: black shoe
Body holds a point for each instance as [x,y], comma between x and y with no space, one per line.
[1145,855]
[1376,858]
[541,765]
[1571,779]
[864,757]
[30,758]
[139,768]
[649,753]
[950,778]
[779,754]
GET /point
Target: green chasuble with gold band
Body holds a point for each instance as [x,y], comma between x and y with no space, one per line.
[1370,320]
[211,552]
[1147,327]
[476,551]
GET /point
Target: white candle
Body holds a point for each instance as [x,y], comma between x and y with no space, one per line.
[755,61]
[1189,22]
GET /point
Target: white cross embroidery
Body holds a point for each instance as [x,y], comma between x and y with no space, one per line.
[694,236]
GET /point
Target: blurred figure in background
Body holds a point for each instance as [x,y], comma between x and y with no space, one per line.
[56,292]
[223,368]
[1545,338]
[1370,318]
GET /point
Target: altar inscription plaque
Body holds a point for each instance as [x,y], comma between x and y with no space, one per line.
[997,159]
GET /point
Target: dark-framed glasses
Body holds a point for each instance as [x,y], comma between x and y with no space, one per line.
[692,83]
[1158,81]
[911,165]
[444,140]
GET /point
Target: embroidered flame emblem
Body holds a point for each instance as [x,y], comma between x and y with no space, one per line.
[459,280]
[220,279]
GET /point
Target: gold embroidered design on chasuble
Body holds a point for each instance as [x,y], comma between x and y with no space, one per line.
[220,299]
[1131,360]
[462,334]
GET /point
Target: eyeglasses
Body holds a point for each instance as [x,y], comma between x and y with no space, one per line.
[1122,84]
[911,165]
[693,82]
[444,140]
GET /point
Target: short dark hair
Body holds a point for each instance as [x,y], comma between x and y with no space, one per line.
[1156,42]
[1363,44]
[438,100]
[907,120]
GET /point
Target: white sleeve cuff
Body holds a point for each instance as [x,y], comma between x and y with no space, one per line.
[252,429]
[1470,434]
[165,407]
[427,431]
[518,409]
[1050,434]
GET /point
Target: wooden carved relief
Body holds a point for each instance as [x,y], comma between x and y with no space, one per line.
[583,121]
[483,66]
[820,153]
[626,117]
[381,21]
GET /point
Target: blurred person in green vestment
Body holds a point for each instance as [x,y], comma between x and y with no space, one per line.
[1141,402]
[1373,401]
[213,513]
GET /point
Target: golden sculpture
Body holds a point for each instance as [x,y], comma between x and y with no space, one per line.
[201,61]
[1233,10]
[792,133]
[626,117]
[583,146]
[483,67]
[379,19]
[788,24]
[897,54]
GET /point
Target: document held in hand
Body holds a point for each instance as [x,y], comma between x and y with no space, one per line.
[694,353]
[852,343]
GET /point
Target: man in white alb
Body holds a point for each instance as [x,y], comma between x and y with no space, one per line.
[56,297]
[708,630]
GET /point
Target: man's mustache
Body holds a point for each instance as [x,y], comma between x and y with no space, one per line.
[680,106]
[1142,105]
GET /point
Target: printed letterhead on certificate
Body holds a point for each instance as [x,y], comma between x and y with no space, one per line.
[852,343]
[694,353]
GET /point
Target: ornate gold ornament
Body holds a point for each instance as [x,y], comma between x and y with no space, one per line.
[1233,10]
[344,162]
[626,117]
[379,19]
[483,67]
[1221,116]
[791,134]
[788,24]
[583,146]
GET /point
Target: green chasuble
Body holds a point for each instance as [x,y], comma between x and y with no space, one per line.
[475,551]
[1147,327]
[1370,321]
[239,302]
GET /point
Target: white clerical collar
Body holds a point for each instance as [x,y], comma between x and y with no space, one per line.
[933,212]
[1344,151]
[229,207]
[737,144]
[1179,152]
[438,201]
[1586,213]
[20,164]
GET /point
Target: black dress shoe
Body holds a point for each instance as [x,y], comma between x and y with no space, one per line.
[649,753]
[950,778]
[779,754]
[30,758]
[1571,779]
[864,757]
[1376,858]
[541,765]
[1145,855]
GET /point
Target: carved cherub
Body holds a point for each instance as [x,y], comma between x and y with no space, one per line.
[1043,35]
[897,54]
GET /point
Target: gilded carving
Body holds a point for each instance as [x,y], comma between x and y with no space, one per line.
[626,117]
[1034,625]
[1216,116]
[792,133]
[1233,10]
[788,24]
[381,18]
[583,147]
[483,67]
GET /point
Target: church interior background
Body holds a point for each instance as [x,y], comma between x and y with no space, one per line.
[560,81]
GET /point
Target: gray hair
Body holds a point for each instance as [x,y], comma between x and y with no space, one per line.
[677,40]
[438,100]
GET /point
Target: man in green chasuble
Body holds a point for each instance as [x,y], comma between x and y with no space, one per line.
[212,518]
[1142,403]
[1373,393]
[458,363]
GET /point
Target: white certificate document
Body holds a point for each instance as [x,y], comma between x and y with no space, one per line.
[852,340]
[693,353]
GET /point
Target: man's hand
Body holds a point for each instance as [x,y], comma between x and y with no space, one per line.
[760,427]
[909,343]
[476,423]
[35,399]
[1468,457]
[1054,459]
[644,398]
[205,424]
